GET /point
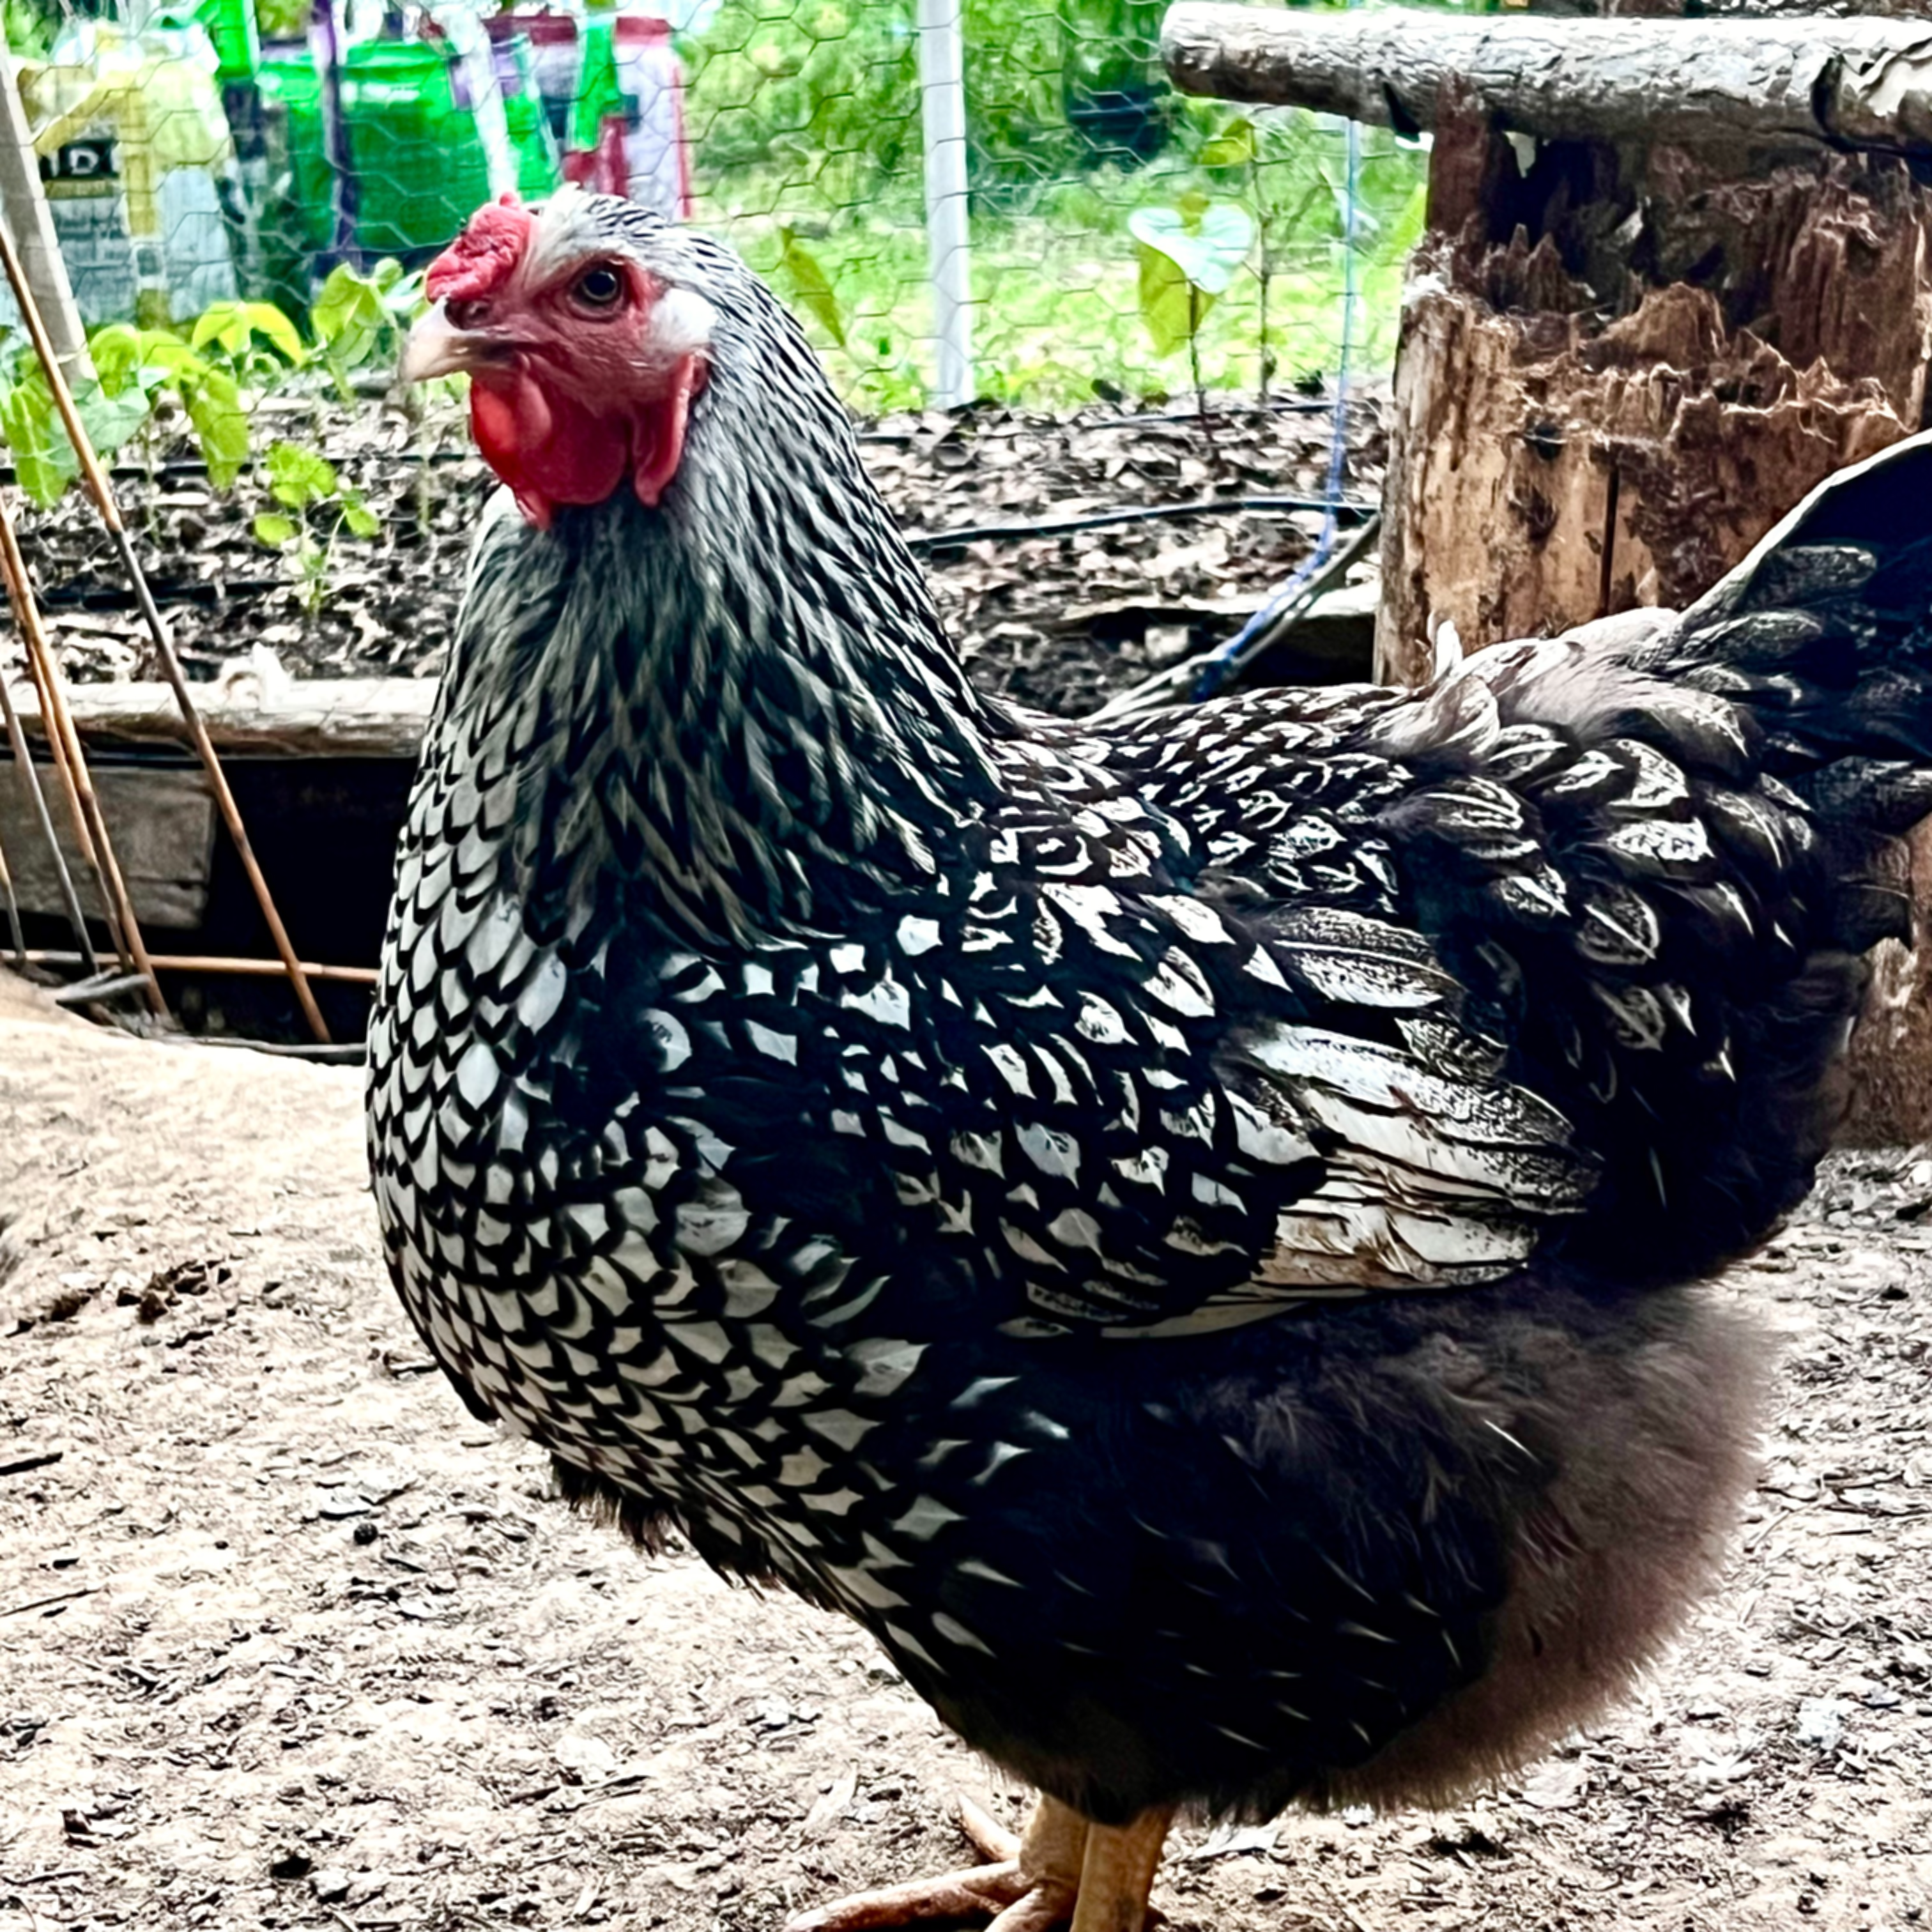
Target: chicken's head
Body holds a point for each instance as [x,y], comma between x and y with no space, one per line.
[583,353]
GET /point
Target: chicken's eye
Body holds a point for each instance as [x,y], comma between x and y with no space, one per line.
[600,287]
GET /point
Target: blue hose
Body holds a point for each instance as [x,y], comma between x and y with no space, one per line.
[1215,668]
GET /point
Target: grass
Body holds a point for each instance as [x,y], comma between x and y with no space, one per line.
[1057,315]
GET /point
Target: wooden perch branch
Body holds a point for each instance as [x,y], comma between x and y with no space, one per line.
[1864,83]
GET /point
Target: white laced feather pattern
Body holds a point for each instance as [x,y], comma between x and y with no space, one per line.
[1430,1168]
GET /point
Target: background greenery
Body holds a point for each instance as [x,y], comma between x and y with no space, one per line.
[805,119]
[1129,244]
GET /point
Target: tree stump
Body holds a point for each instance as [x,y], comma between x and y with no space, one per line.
[1617,371]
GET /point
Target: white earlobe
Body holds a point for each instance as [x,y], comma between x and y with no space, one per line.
[682,324]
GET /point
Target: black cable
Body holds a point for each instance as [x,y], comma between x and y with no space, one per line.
[1140,513]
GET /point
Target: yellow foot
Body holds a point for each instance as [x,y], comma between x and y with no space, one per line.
[1063,1872]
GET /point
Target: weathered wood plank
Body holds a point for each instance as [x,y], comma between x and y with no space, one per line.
[161,819]
[370,717]
[1861,83]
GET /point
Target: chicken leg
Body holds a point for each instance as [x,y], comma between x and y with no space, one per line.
[1065,1871]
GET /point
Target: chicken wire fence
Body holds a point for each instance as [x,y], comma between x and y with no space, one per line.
[1001,200]
[1003,203]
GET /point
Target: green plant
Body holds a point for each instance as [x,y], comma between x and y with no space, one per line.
[233,351]
[305,482]
[827,92]
[1293,172]
[1190,255]
[135,370]
[811,285]
[257,340]
[30,27]
[358,318]
[147,364]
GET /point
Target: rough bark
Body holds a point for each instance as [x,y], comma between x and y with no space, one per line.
[1864,83]
[1630,344]
[1616,372]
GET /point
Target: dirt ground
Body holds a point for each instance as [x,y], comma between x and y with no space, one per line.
[1061,619]
[286,1640]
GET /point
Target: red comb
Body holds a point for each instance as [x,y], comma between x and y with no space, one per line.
[482,258]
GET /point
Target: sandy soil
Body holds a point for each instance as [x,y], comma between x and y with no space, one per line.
[286,1640]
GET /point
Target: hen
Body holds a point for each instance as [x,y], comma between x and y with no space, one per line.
[1189,1232]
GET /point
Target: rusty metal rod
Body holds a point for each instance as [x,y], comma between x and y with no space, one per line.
[30,776]
[99,488]
[214,964]
[85,801]
[41,672]
[14,932]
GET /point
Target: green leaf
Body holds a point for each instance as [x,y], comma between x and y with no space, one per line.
[349,317]
[1208,251]
[212,321]
[166,358]
[1405,231]
[1170,305]
[274,530]
[1234,147]
[220,426]
[43,461]
[403,297]
[224,323]
[362,520]
[235,325]
[811,285]
[109,421]
[116,352]
[274,329]
[299,477]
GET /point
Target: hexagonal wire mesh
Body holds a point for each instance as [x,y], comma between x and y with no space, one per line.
[248,146]
[806,141]
[245,193]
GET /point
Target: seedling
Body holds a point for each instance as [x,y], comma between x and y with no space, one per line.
[358,318]
[305,482]
[1189,253]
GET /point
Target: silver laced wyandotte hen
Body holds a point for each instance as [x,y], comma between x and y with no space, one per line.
[1191,1231]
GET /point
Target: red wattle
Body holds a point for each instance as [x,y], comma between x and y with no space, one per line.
[548,448]
[657,433]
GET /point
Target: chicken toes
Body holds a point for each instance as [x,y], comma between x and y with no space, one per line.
[1064,1872]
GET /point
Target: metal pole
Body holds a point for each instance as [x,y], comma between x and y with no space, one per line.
[23,759]
[23,205]
[95,480]
[949,241]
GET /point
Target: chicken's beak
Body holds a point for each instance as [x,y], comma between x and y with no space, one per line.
[437,347]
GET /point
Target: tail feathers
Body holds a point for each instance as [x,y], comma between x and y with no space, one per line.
[1824,635]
